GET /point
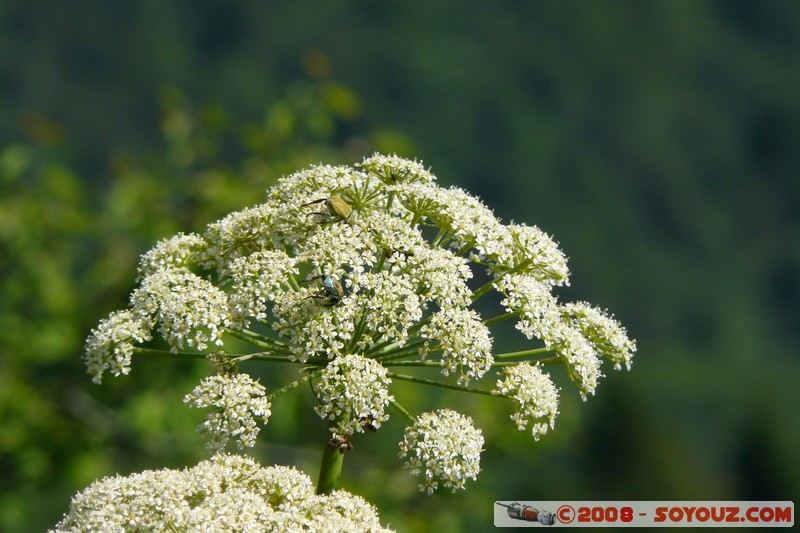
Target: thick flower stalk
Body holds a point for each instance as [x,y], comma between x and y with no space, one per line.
[352,273]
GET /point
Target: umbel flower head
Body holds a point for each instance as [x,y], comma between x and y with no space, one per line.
[239,402]
[225,493]
[354,392]
[442,447]
[351,272]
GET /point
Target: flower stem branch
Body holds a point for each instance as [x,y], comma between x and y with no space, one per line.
[411,418]
[435,383]
[261,341]
[293,385]
[523,353]
[480,291]
[391,351]
[499,318]
[168,353]
[436,364]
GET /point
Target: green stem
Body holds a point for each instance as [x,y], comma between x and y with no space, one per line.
[438,384]
[261,341]
[436,364]
[548,361]
[388,346]
[391,344]
[293,283]
[498,318]
[523,353]
[331,467]
[464,249]
[380,263]
[357,332]
[410,353]
[290,386]
[441,238]
[477,293]
[403,412]
[261,356]
[392,350]
[419,325]
[167,353]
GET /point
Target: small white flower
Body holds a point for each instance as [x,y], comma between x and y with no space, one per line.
[535,394]
[189,309]
[312,327]
[531,300]
[239,233]
[330,246]
[239,403]
[389,307]
[110,345]
[353,391]
[256,279]
[535,252]
[540,316]
[442,447]
[607,336]
[464,340]
[583,365]
[440,276]
[178,251]
[391,169]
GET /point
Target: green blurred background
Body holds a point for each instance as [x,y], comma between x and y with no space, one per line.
[658,141]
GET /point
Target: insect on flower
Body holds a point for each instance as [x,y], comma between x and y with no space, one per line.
[331,289]
[338,210]
[369,423]
[337,441]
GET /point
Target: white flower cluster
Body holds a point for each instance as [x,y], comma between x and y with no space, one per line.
[465,343]
[225,493]
[392,274]
[535,394]
[442,447]
[110,345]
[607,336]
[350,270]
[188,308]
[531,251]
[178,251]
[354,392]
[255,280]
[238,401]
[577,332]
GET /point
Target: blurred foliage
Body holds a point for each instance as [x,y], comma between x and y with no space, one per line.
[69,248]
[656,140]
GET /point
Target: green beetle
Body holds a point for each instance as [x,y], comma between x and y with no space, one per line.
[331,290]
[338,210]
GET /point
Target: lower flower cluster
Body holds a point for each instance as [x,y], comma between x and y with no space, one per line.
[225,493]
